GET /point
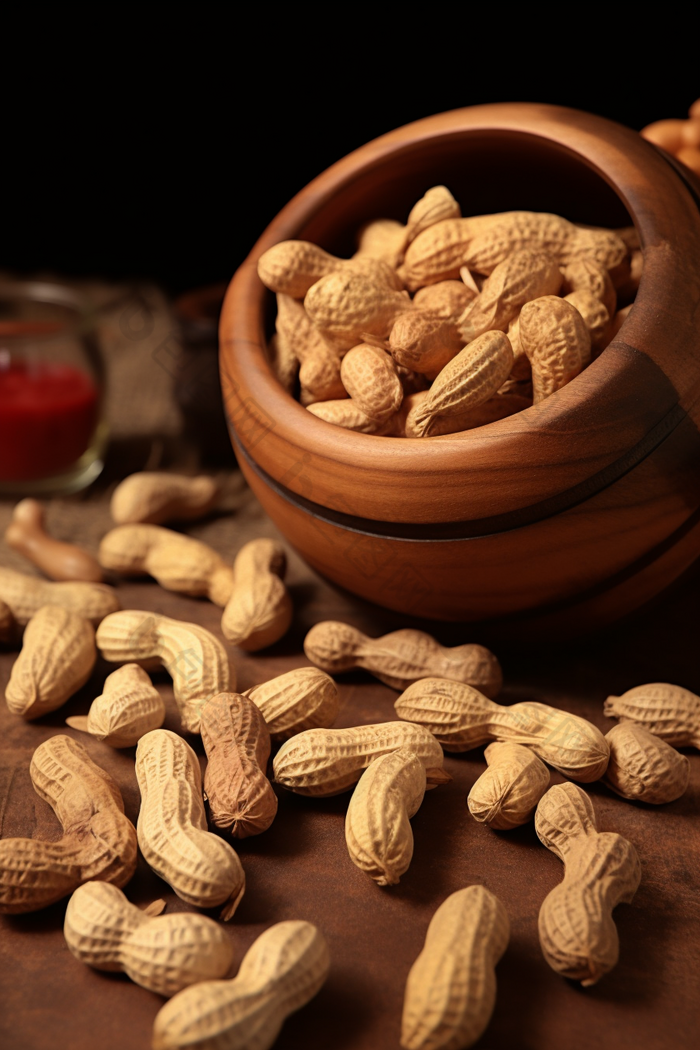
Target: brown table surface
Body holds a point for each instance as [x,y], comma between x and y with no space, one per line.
[300,867]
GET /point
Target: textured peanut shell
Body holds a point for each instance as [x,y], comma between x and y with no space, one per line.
[436,204]
[283,969]
[423,342]
[370,377]
[644,767]
[347,306]
[506,795]
[283,362]
[557,342]
[179,563]
[377,829]
[292,267]
[192,656]
[348,414]
[470,379]
[164,954]
[402,657]
[25,595]
[483,241]
[668,711]
[501,405]
[319,372]
[595,316]
[462,718]
[522,276]
[305,698]
[237,744]
[57,658]
[584,275]
[259,610]
[128,707]
[98,841]
[451,987]
[329,761]
[152,497]
[578,936]
[172,827]
[446,299]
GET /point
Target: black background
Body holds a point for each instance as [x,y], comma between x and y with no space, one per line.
[163,150]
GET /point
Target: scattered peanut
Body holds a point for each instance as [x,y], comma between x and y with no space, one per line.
[179,563]
[172,826]
[25,595]
[27,535]
[165,953]
[601,869]
[402,657]
[237,744]
[194,658]
[377,829]
[153,498]
[259,610]
[643,767]
[128,707]
[57,658]
[506,795]
[451,988]
[461,718]
[667,711]
[98,841]
[329,761]
[305,698]
[280,973]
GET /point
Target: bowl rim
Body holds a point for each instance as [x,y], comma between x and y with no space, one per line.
[367,475]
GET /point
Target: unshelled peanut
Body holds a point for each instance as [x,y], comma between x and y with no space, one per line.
[259,610]
[462,718]
[557,342]
[57,658]
[329,761]
[283,969]
[153,498]
[319,372]
[371,379]
[25,595]
[347,306]
[402,657]
[601,869]
[179,563]
[377,829]
[644,767]
[306,698]
[27,535]
[128,707]
[451,988]
[506,795]
[172,827]
[237,744]
[195,660]
[163,953]
[521,277]
[98,841]
[668,711]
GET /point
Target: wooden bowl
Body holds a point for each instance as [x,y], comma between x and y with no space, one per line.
[563,517]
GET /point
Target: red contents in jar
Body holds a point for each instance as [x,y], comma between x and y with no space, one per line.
[48,414]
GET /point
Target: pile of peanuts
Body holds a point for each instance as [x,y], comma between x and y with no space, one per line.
[681,138]
[446,323]
[446,704]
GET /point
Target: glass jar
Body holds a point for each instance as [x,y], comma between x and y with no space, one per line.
[52,430]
